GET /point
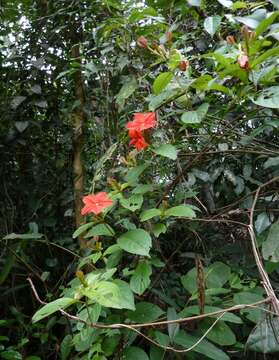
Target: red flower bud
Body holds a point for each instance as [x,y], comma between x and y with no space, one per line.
[243,61]
[230,40]
[142,42]
[183,65]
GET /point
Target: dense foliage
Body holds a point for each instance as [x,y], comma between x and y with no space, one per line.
[139,176]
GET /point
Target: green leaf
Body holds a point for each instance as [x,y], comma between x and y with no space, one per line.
[52,307]
[135,242]
[100,230]
[204,347]
[127,89]
[65,347]
[134,353]
[212,24]
[274,161]
[133,203]
[161,82]
[113,294]
[189,281]
[270,247]
[262,222]
[159,229]
[217,275]
[221,333]
[267,54]
[142,188]
[13,236]
[172,328]
[264,24]
[140,280]
[246,297]
[145,312]
[10,355]
[149,214]
[268,98]
[263,337]
[167,150]
[195,117]
[134,173]
[82,229]
[180,211]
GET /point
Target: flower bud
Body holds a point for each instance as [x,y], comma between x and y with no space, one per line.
[169,36]
[243,61]
[142,42]
[183,65]
[230,39]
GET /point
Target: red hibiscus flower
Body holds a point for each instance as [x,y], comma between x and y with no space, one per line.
[142,121]
[95,203]
[137,139]
[243,61]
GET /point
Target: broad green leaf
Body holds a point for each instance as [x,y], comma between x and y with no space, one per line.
[65,347]
[161,82]
[204,347]
[134,353]
[165,97]
[149,214]
[173,329]
[159,229]
[134,173]
[113,294]
[145,312]
[267,54]
[270,247]
[195,117]
[274,161]
[180,211]
[221,333]
[167,150]
[264,337]
[217,275]
[189,281]
[52,307]
[82,229]
[135,242]
[268,98]
[264,24]
[142,188]
[194,310]
[246,297]
[140,280]
[212,24]
[100,230]
[133,203]
[262,222]
[127,89]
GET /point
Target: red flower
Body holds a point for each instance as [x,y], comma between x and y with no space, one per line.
[95,203]
[137,139]
[243,61]
[183,65]
[142,121]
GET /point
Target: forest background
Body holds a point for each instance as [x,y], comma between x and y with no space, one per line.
[168,111]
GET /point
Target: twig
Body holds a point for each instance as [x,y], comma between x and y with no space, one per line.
[265,278]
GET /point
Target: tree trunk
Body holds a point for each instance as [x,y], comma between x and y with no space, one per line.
[78,125]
